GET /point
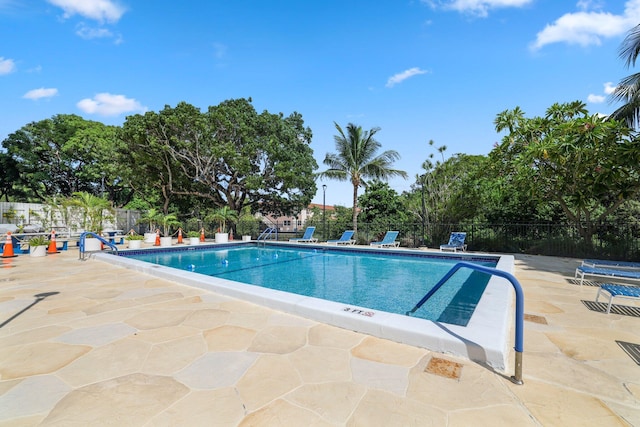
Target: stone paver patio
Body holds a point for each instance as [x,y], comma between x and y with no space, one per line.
[89,343]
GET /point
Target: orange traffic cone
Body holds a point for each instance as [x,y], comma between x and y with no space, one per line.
[157,238]
[7,252]
[179,235]
[202,235]
[53,249]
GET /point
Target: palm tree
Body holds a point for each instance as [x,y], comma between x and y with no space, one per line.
[356,160]
[628,90]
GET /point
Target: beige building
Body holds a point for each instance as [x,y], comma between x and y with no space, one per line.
[297,222]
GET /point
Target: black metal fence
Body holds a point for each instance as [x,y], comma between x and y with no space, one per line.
[610,240]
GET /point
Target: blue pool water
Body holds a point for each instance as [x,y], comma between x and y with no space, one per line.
[375,280]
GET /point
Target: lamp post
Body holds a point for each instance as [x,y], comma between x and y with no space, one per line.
[324,211]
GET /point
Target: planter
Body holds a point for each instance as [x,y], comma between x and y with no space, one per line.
[149,237]
[222,237]
[194,240]
[92,245]
[246,238]
[166,241]
[134,244]
[37,251]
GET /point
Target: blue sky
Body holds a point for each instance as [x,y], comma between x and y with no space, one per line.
[419,69]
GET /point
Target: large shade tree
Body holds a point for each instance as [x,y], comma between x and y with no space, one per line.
[586,164]
[63,155]
[357,160]
[227,156]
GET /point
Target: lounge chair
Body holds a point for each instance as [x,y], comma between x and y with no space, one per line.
[388,241]
[307,237]
[345,239]
[620,291]
[456,242]
[611,264]
[609,273]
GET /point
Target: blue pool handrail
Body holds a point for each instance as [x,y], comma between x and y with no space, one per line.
[519,339]
[84,236]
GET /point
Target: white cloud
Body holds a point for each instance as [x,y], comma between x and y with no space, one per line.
[6,66]
[98,10]
[219,50]
[106,104]
[609,88]
[476,7]
[36,94]
[400,77]
[596,99]
[586,28]
[87,32]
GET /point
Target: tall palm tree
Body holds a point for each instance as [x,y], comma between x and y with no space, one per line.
[357,159]
[628,90]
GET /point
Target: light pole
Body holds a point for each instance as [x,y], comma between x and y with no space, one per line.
[324,212]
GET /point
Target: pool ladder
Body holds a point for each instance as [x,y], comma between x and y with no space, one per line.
[519,339]
[102,240]
[268,234]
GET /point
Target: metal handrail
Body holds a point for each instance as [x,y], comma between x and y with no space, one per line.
[267,233]
[83,237]
[519,338]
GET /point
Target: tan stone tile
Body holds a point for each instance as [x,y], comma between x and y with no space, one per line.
[333,401]
[206,319]
[552,406]
[109,305]
[37,358]
[31,421]
[494,415]
[203,408]
[127,400]
[153,319]
[282,413]
[171,356]
[279,339]
[378,408]
[161,297]
[216,370]
[322,364]
[269,378]
[385,351]
[229,338]
[33,335]
[110,361]
[331,336]
[168,333]
[391,378]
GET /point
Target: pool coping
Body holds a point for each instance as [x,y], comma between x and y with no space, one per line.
[485,339]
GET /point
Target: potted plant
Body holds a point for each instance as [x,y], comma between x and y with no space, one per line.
[93,215]
[167,220]
[135,240]
[194,237]
[38,246]
[150,219]
[247,226]
[221,216]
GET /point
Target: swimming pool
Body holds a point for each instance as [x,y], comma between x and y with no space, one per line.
[377,280]
[486,338]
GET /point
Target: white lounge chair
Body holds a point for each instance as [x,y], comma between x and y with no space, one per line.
[618,291]
[307,237]
[389,240]
[345,239]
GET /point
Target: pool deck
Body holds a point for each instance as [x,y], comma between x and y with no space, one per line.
[105,345]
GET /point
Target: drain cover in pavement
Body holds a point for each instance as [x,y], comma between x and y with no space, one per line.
[624,310]
[633,350]
[444,368]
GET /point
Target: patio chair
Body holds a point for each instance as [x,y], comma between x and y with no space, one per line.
[388,241]
[456,242]
[307,237]
[620,291]
[609,273]
[345,239]
[611,264]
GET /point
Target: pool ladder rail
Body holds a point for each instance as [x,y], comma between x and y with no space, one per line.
[102,240]
[519,338]
[268,233]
